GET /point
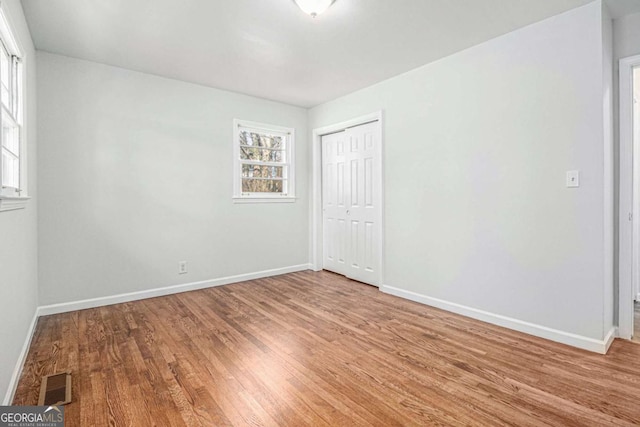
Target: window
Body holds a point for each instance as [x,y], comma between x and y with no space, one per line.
[263,163]
[12,150]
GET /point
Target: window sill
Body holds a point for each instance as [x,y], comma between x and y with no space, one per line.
[11,203]
[264,200]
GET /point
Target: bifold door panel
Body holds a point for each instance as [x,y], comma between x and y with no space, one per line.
[351,202]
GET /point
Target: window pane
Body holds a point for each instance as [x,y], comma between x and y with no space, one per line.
[5,96]
[10,170]
[250,153]
[10,134]
[261,140]
[257,171]
[262,186]
[15,71]
[5,80]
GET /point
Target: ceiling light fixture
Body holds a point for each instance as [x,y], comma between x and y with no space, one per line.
[314,7]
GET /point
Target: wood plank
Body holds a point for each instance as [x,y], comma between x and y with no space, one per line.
[318,349]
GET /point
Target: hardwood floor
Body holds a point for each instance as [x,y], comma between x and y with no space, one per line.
[318,349]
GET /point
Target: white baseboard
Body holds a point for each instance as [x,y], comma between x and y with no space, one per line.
[608,339]
[158,292]
[132,296]
[598,346]
[17,371]
[579,341]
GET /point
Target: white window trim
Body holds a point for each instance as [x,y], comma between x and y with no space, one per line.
[10,202]
[238,197]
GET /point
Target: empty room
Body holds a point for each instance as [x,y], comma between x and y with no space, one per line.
[320,212]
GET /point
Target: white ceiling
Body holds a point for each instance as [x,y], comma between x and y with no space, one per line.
[269,48]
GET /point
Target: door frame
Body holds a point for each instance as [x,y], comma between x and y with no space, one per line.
[317,244]
[629,213]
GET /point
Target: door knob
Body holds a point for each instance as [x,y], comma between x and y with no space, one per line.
[348,212]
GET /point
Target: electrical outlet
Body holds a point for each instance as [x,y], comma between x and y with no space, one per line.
[573,179]
[182,267]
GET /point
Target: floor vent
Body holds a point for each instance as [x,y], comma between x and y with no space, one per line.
[55,389]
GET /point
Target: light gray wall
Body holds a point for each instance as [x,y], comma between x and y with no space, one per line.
[136,175]
[18,240]
[476,150]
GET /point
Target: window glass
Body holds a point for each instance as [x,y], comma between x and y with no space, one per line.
[5,77]
[263,159]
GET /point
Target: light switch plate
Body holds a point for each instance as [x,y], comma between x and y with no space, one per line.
[182,267]
[573,179]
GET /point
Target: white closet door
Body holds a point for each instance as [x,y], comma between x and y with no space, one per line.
[334,205]
[352,203]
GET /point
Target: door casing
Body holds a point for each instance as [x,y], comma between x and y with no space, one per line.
[629,211]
